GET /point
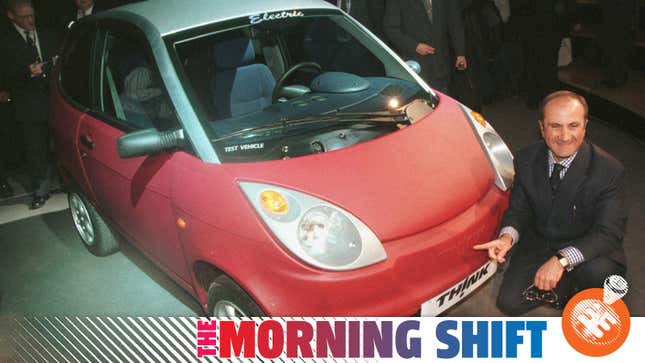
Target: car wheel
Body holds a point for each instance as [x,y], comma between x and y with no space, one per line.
[228,299]
[94,232]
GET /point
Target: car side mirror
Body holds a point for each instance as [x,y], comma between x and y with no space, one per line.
[148,142]
[414,65]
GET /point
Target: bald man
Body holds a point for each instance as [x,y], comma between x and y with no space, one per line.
[566,217]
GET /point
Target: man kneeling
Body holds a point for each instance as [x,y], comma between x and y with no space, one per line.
[567,213]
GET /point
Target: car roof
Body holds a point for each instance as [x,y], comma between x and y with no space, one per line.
[171,16]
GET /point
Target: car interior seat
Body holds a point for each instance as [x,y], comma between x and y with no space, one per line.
[239,86]
[139,92]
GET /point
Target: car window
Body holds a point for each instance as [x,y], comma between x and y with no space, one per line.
[131,88]
[321,40]
[75,64]
[234,72]
[282,86]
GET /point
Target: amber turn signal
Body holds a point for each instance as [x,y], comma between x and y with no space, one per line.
[479,118]
[274,202]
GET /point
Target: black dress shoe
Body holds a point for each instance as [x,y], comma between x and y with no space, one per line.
[38,202]
[6,191]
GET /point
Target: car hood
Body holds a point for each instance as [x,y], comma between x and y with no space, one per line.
[399,184]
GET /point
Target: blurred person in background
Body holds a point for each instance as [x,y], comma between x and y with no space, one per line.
[28,54]
[616,39]
[367,12]
[542,25]
[483,30]
[6,121]
[81,9]
[6,190]
[431,33]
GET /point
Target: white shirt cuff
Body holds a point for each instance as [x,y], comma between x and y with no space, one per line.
[515,235]
[574,256]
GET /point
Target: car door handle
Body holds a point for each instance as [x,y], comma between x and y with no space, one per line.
[87,141]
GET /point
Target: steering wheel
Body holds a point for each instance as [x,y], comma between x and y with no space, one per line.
[288,73]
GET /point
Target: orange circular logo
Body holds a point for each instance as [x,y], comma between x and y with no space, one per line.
[595,322]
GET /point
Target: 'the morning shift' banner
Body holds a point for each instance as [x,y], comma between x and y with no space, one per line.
[595,335]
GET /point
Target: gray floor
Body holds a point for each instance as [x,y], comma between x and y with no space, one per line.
[47,271]
[587,77]
[44,269]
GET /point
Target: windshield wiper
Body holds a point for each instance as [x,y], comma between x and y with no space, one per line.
[386,117]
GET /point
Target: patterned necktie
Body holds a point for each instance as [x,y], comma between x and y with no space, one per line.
[30,40]
[428,6]
[555,180]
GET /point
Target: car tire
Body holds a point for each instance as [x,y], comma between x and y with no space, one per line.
[96,235]
[228,299]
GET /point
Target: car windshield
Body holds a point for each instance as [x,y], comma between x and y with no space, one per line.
[292,83]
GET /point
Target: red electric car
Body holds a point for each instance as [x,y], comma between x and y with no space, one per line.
[274,158]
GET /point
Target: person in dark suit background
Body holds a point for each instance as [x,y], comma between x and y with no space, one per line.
[4,21]
[567,212]
[80,9]
[542,25]
[429,32]
[335,50]
[616,39]
[85,8]
[367,12]
[29,53]
[482,29]
[6,190]
[376,9]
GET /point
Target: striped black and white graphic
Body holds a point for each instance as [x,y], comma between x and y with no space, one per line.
[84,339]
[118,339]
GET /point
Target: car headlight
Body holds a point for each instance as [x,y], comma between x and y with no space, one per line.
[319,233]
[498,153]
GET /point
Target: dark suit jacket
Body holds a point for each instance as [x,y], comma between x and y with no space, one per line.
[376,10]
[367,12]
[30,94]
[587,212]
[545,18]
[69,13]
[4,21]
[406,25]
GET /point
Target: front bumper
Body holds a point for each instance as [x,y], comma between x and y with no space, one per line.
[418,268]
